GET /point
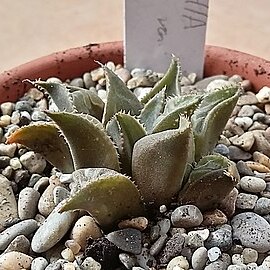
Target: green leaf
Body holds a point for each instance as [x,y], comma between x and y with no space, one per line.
[89,144]
[45,139]
[108,198]
[171,81]
[209,183]
[152,110]
[159,163]
[210,118]
[87,101]
[176,106]
[119,98]
[58,92]
[130,131]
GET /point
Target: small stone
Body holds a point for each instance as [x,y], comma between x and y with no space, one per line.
[39,263]
[138,72]
[102,94]
[222,150]
[246,201]
[145,259]
[97,74]
[158,245]
[123,74]
[20,243]
[255,166]
[244,141]
[221,238]
[78,82]
[243,122]
[178,262]
[252,184]
[202,84]
[53,80]
[247,99]
[154,232]
[246,110]
[263,95]
[261,158]
[258,126]
[214,218]
[252,231]
[186,216]
[243,169]
[192,77]
[4,161]
[204,233]
[15,163]
[235,78]
[127,260]
[59,194]
[199,258]
[246,85]
[164,225]
[84,228]
[138,82]
[267,108]
[68,255]
[87,80]
[237,259]
[52,230]
[27,203]
[8,209]
[140,92]
[23,105]
[213,254]
[90,264]
[25,227]
[172,248]
[266,262]
[5,120]
[194,241]
[262,206]
[69,266]
[73,245]
[238,154]
[33,162]
[38,116]
[261,144]
[15,260]
[250,255]
[8,149]
[139,223]
[128,240]
[7,108]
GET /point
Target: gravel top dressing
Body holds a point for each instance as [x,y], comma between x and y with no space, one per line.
[34,235]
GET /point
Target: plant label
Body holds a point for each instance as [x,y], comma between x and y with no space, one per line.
[156,29]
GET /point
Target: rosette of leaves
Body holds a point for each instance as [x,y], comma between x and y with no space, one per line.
[127,155]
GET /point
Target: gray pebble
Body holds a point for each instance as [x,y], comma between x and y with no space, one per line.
[158,245]
[252,184]
[87,79]
[186,216]
[263,95]
[127,260]
[243,169]
[238,154]
[154,232]
[219,84]
[221,238]
[246,110]
[128,240]
[23,106]
[25,227]
[38,116]
[144,259]
[53,80]
[27,203]
[78,82]
[39,263]
[250,255]
[199,258]
[248,99]
[262,206]
[123,73]
[202,84]
[4,161]
[60,194]
[164,225]
[20,243]
[194,241]
[243,122]
[244,141]
[52,230]
[222,149]
[252,231]
[179,262]
[246,201]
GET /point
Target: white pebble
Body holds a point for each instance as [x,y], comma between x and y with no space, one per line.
[15,260]
[243,122]
[199,258]
[15,163]
[67,254]
[263,95]
[213,254]
[39,263]
[178,263]
[252,184]
[237,259]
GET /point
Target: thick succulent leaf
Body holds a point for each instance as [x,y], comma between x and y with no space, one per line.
[159,163]
[87,101]
[210,118]
[209,183]
[131,131]
[176,106]
[171,81]
[152,110]
[46,140]
[58,92]
[89,144]
[119,98]
[108,199]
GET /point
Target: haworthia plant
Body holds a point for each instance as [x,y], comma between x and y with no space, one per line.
[127,152]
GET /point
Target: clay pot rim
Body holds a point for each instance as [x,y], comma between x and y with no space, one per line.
[74,62]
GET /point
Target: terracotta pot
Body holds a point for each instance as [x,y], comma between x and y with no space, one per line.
[74,62]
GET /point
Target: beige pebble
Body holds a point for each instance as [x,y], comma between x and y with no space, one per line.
[84,228]
[5,120]
[255,166]
[139,223]
[179,262]
[261,158]
[67,254]
[267,108]
[69,266]
[15,261]
[73,245]
[244,141]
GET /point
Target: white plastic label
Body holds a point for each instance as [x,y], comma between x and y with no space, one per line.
[156,29]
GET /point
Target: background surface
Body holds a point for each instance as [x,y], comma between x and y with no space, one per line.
[34,28]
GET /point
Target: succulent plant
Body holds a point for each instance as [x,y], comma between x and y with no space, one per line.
[129,155]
